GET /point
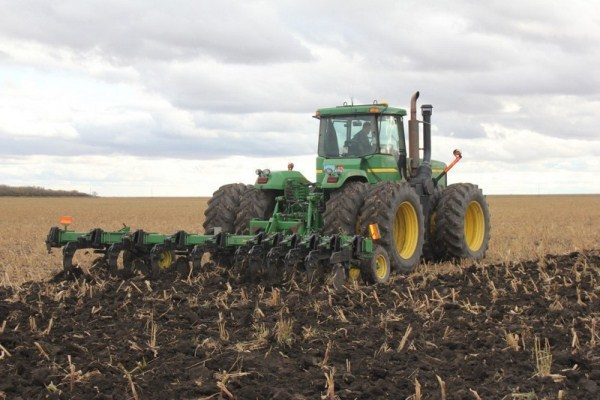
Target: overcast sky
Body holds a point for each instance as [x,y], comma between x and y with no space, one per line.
[179,97]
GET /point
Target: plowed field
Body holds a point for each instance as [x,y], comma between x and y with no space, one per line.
[498,331]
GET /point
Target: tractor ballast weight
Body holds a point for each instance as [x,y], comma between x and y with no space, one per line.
[374,207]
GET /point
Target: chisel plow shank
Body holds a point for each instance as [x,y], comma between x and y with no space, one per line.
[261,253]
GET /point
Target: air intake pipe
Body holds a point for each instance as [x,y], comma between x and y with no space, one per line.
[426,111]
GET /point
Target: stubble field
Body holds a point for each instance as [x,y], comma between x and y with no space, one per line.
[523,324]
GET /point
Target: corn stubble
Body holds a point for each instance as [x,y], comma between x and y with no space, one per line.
[522,325]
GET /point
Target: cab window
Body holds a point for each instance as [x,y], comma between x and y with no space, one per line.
[389,135]
[347,136]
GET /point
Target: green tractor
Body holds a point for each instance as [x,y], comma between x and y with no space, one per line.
[376,207]
[365,178]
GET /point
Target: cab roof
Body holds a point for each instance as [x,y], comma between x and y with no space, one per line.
[380,108]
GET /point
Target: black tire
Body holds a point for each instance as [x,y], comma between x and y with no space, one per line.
[462,222]
[255,203]
[133,263]
[183,267]
[223,208]
[343,207]
[431,247]
[395,207]
[378,268]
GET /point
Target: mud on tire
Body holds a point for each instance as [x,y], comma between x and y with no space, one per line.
[431,248]
[343,207]
[255,203]
[462,222]
[396,208]
[223,208]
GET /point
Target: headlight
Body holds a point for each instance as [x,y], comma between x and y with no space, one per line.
[258,172]
[266,172]
[329,170]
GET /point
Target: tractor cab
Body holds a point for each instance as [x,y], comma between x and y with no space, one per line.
[363,142]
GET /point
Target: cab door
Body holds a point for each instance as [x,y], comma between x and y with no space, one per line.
[384,165]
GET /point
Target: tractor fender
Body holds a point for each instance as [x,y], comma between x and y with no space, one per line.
[277,180]
[346,174]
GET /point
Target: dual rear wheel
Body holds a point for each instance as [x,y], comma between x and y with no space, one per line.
[458,224]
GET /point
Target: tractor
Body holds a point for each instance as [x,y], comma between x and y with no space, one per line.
[378,206]
[366,177]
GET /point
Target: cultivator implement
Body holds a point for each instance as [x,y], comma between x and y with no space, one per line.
[271,254]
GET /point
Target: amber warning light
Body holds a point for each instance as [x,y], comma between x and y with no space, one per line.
[374,231]
[66,220]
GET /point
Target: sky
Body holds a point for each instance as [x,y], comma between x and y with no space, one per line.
[155,98]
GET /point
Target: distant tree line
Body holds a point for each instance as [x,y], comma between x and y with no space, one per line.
[28,191]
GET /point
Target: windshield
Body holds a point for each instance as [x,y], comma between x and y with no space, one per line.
[347,136]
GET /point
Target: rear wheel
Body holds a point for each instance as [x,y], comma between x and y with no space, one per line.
[462,222]
[343,207]
[396,209]
[431,248]
[255,203]
[223,208]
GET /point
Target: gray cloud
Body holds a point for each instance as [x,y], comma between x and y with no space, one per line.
[253,73]
[158,139]
[140,30]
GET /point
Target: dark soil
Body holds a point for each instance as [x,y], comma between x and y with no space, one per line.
[91,336]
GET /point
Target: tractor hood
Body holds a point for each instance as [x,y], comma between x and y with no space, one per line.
[276,180]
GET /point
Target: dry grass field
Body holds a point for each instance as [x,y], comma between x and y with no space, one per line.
[523,324]
[523,227]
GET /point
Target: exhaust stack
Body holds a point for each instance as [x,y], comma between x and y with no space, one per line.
[413,135]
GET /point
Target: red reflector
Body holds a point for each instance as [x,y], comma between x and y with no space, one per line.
[332,179]
[262,179]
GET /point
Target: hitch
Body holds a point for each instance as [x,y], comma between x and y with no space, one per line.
[457,157]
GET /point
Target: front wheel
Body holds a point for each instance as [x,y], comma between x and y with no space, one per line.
[462,222]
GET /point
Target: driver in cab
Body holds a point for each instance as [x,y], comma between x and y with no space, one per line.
[361,142]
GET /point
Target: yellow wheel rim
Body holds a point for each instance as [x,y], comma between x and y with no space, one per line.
[166,259]
[474,226]
[406,230]
[353,273]
[381,267]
